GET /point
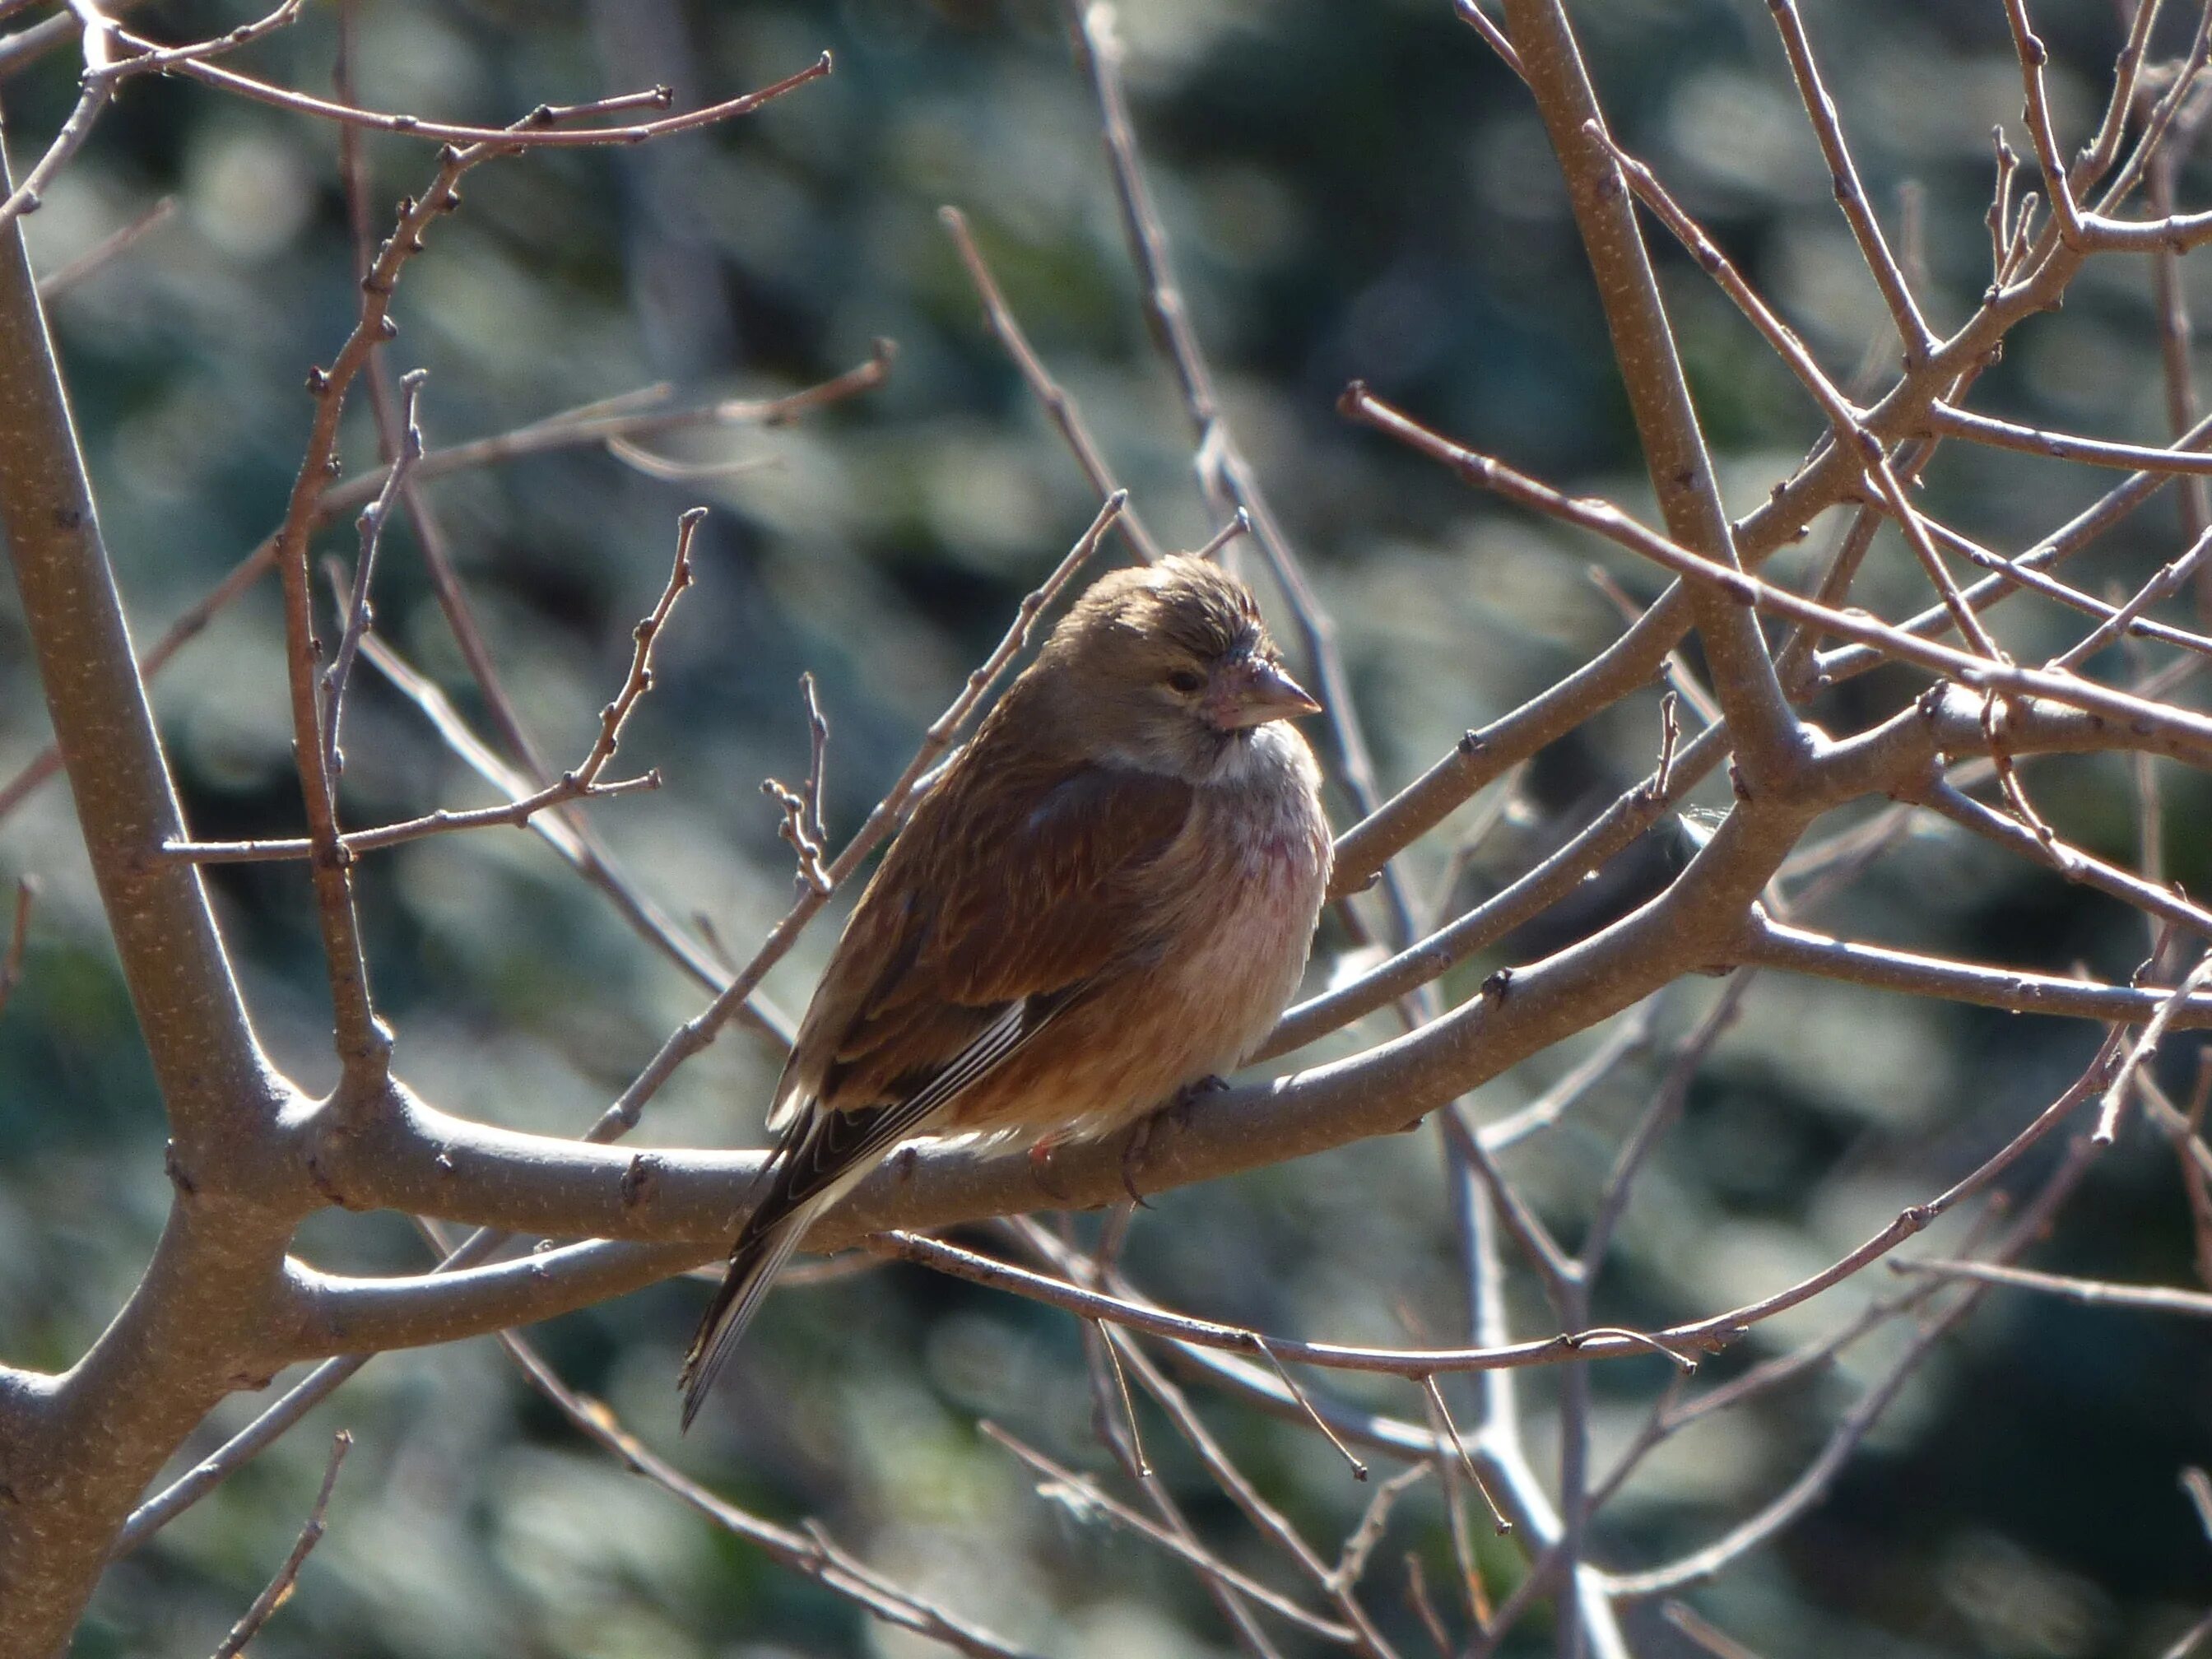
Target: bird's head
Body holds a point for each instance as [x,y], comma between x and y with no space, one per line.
[1168,667]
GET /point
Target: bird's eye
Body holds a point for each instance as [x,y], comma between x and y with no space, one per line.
[1185,681]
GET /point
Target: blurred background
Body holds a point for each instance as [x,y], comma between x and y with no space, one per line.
[1350,190]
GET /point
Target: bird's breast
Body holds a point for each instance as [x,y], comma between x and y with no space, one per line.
[1231,911]
[1261,847]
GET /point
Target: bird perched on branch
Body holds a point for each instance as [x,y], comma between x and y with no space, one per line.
[1105,900]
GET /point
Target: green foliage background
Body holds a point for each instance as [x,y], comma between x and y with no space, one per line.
[1351,190]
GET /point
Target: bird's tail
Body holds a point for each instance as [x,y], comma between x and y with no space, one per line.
[759,1258]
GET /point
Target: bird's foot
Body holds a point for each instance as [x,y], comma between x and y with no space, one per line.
[1191,1093]
[1135,1154]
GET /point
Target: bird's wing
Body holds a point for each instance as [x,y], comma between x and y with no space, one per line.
[1008,894]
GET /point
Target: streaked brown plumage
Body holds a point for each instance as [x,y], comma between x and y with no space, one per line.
[1107,895]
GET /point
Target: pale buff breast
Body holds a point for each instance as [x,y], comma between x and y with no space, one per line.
[1266,871]
[1240,890]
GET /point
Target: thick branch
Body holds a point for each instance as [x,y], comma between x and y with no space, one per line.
[214,1082]
[81,1449]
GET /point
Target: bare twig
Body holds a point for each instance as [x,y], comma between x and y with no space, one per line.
[700,960]
[2146,1046]
[1709,1636]
[1417,1591]
[538,130]
[587,427]
[364,1044]
[1059,404]
[1629,1038]
[2175,338]
[1849,423]
[1436,1395]
[280,1587]
[2035,841]
[1359,1545]
[18,938]
[800,825]
[106,68]
[2090,1292]
[1980,672]
[1952,421]
[810,1553]
[1850,195]
[581,783]
[104,252]
[1064,1485]
[357,615]
[1759,1528]
[1771,943]
[817,755]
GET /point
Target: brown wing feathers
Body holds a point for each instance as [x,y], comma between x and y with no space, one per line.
[1010,892]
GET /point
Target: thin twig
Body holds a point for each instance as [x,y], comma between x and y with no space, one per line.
[1704,1335]
[1059,404]
[18,938]
[588,426]
[1757,1529]
[1359,1545]
[2168,580]
[357,615]
[1629,1038]
[810,1553]
[1979,672]
[1952,421]
[1459,1444]
[2139,1056]
[800,825]
[541,132]
[1770,944]
[1269,1522]
[1851,194]
[2175,338]
[1417,1587]
[1847,420]
[105,70]
[582,783]
[1063,1483]
[280,1587]
[105,251]
[817,755]
[2090,1292]
[1709,1636]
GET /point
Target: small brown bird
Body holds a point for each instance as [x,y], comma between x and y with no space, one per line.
[1107,898]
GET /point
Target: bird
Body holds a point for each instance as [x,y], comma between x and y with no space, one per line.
[1103,902]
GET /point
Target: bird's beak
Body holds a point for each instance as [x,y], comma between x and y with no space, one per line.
[1254,692]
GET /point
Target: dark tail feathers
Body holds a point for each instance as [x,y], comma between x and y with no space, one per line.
[759,1258]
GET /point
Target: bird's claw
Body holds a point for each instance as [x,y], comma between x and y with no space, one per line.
[1133,1159]
[1134,1155]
